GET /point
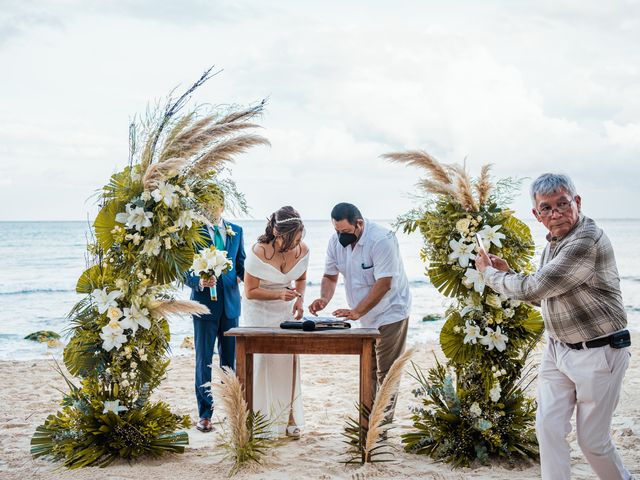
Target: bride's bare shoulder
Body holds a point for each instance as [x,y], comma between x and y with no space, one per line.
[304,247]
[260,250]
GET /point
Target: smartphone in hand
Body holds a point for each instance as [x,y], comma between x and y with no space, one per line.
[480,244]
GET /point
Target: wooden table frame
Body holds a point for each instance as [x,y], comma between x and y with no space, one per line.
[353,341]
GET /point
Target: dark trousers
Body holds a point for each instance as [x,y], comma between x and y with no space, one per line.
[205,332]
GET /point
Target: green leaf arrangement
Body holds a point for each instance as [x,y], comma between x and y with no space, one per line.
[145,235]
[475,407]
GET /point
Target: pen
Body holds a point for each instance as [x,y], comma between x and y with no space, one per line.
[298,294]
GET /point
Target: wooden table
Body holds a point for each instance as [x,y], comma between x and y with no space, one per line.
[352,341]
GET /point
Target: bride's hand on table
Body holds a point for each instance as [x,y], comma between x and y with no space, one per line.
[297,309]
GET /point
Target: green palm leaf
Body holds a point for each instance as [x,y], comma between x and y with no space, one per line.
[89,280]
[452,343]
[105,221]
[446,280]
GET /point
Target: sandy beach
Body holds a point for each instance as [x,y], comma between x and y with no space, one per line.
[29,393]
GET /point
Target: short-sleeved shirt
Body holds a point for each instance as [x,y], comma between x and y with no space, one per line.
[376,255]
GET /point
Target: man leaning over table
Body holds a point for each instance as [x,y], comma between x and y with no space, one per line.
[368,257]
[586,355]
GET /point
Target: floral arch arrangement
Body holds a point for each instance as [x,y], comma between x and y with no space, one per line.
[146,233]
[475,406]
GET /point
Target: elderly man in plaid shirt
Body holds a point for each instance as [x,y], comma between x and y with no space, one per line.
[586,355]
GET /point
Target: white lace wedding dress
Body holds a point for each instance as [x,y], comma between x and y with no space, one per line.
[276,390]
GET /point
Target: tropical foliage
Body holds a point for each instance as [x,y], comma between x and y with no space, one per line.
[475,407]
[146,233]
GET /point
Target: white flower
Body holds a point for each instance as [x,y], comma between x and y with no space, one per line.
[475,410]
[152,247]
[124,383]
[114,313]
[135,217]
[105,300]
[491,235]
[146,196]
[470,305]
[165,192]
[185,219]
[167,243]
[461,251]
[121,284]
[495,339]
[230,231]
[493,301]
[136,238]
[135,317]
[472,332]
[462,225]
[473,278]
[495,392]
[113,406]
[457,329]
[112,336]
[134,365]
[509,312]
[515,303]
[200,264]
[143,357]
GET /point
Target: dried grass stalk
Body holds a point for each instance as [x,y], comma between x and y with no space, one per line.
[158,172]
[177,307]
[230,394]
[422,159]
[484,186]
[225,151]
[437,188]
[464,190]
[384,396]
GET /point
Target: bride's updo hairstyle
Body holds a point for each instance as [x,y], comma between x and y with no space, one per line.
[285,223]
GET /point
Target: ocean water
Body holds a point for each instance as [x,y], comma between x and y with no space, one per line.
[41,261]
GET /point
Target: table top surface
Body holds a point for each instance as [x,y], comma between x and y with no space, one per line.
[283,332]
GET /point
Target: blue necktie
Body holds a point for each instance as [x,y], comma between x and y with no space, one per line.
[217,238]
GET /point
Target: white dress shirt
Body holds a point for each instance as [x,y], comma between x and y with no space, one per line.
[375,256]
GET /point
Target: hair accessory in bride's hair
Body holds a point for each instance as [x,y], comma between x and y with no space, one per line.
[287,220]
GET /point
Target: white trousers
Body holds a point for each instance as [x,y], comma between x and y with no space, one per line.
[588,380]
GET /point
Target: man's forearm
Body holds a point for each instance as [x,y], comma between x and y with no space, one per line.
[327,288]
[378,290]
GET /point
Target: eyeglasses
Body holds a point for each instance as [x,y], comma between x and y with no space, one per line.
[561,207]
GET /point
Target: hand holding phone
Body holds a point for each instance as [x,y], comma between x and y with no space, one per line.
[481,248]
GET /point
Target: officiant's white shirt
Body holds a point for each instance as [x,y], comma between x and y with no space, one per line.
[375,256]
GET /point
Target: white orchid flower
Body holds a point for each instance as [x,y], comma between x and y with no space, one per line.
[105,300]
[461,251]
[495,339]
[495,392]
[493,301]
[114,313]
[473,278]
[135,217]
[112,336]
[491,235]
[472,333]
[165,192]
[152,247]
[135,317]
[185,220]
[113,406]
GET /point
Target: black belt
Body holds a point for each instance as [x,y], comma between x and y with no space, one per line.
[598,342]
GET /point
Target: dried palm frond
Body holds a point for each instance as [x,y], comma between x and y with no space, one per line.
[225,151]
[422,159]
[178,307]
[484,186]
[464,191]
[158,172]
[247,431]
[388,390]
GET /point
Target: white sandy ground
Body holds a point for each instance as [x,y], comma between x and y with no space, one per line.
[28,394]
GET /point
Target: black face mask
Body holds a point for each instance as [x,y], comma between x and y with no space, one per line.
[347,239]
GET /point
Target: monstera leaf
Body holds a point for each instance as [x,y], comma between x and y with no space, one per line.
[89,280]
[451,342]
[446,280]
[105,221]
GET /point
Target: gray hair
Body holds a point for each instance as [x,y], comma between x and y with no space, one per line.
[549,183]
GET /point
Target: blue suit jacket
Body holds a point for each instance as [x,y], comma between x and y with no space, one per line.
[228,282]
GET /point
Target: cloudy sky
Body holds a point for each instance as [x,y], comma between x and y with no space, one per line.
[527,86]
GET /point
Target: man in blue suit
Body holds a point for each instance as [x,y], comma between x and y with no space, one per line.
[225,312]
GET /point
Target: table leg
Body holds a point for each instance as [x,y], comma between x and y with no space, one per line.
[248,386]
[241,363]
[367,389]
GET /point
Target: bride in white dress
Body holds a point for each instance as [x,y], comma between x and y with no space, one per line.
[275,280]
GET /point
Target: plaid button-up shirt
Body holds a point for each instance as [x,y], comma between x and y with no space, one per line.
[577,285]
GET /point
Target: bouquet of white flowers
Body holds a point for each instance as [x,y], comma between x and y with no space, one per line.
[211,262]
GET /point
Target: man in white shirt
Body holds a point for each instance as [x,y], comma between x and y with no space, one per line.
[368,257]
